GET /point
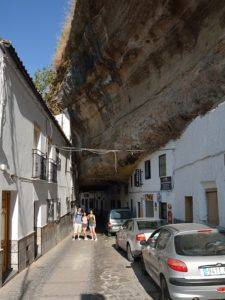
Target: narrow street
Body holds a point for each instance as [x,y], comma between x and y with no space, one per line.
[81,270]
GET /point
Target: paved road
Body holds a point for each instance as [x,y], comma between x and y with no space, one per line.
[81,270]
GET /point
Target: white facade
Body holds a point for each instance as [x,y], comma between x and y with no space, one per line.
[147,199]
[26,125]
[200,166]
[64,121]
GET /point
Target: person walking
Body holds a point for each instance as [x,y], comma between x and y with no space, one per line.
[92,225]
[84,225]
[77,224]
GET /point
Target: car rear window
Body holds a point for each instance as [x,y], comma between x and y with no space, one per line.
[200,244]
[144,225]
[123,214]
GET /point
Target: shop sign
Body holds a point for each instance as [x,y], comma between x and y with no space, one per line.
[166,183]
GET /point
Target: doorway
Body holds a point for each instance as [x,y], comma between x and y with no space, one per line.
[212,208]
[5,231]
[149,209]
[189,209]
[36,210]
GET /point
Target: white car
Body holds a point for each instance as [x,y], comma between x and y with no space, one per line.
[133,232]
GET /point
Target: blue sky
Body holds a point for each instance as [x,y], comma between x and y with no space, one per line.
[33,26]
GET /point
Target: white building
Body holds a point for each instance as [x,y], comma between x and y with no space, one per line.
[35,177]
[151,184]
[199,173]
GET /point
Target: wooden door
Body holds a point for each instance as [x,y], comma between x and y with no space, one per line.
[5,229]
[189,209]
[212,207]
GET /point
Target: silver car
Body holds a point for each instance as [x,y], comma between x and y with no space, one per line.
[116,219]
[133,232]
[187,261]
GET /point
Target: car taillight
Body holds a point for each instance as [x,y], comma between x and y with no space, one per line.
[140,237]
[221,290]
[177,265]
[109,224]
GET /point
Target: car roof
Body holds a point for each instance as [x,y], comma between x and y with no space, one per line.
[120,209]
[184,227]
[146,219]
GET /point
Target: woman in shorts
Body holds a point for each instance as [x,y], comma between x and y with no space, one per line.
[92,225]
[84,225]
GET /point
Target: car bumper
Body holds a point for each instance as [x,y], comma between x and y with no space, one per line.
[114,229]
[182,289]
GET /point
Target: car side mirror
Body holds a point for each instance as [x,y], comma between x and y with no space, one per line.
[152,243]
[143,243]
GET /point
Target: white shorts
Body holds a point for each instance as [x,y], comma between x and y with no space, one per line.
[77,228]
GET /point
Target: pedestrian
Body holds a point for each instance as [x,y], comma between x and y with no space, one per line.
[92,225]
[84,225]
[77,224]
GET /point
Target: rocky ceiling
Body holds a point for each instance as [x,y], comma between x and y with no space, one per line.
[134,73]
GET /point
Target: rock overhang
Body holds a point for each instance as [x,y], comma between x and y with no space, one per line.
[134,75]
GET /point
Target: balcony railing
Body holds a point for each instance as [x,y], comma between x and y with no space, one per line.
[39,165]
[52,170]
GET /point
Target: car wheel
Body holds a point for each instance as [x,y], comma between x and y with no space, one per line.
[129,254]
[165,295]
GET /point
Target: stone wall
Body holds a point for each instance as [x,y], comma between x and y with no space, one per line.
[22,252]
[51,234]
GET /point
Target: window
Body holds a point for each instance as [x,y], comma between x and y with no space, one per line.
[37,137]
[58,209]
[208,243]
[147,169]
[68,204]
[162,165]
[130,226]
[131,181]
[120,214]
[163,239]
[50,210]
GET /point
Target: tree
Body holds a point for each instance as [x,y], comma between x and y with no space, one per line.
[43,80]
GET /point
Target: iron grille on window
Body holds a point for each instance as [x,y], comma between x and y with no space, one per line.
[58,209]
[138,177]
[52,170]
[50,210]
[68,206]
[39,165]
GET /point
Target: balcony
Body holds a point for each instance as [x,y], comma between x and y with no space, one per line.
[52,170]
[39,165]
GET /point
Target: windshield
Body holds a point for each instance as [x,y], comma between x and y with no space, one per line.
[144,225]
[120,214]
[200,244]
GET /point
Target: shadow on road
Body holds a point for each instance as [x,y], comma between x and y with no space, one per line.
[92,297]
[145,280]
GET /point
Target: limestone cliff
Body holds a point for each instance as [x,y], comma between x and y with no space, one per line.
[134,73]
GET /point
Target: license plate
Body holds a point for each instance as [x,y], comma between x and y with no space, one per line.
[213,271]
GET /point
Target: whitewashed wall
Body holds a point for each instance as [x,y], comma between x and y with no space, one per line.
[22,110]
[199,163]
[152,185]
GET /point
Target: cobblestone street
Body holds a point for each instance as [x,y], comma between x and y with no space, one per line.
[82,270]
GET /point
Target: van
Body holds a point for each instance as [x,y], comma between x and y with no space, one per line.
[116,219]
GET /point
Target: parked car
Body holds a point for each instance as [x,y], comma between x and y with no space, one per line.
[133,232]
[116,219]
[187,261]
